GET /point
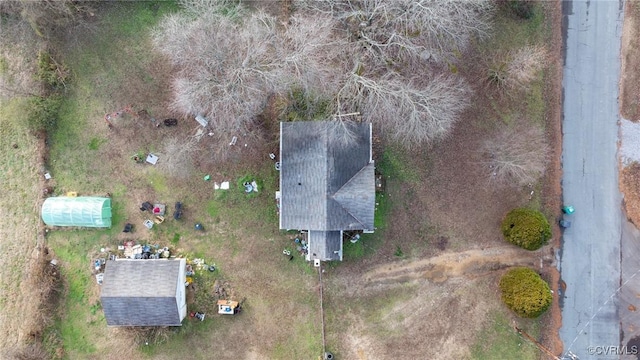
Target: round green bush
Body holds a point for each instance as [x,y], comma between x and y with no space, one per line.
[525,292]
[526,228]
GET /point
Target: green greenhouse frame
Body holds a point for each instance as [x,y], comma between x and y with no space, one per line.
[82,211]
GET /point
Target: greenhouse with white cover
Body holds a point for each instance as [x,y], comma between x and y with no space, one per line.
[81,211]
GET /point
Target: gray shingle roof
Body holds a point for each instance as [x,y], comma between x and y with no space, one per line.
[144,292]
[325,245]
[326,183]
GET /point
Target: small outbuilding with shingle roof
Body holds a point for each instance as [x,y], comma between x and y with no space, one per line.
[144,292]
[327,182]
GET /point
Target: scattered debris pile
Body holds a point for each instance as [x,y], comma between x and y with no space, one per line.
[158,211]
[143,115]
[177,213]
[301,244]
[228,307]
[129,249]
[250,186]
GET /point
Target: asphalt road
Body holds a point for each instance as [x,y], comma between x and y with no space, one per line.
[589,261]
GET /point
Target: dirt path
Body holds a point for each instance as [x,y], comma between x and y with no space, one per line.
[471,264]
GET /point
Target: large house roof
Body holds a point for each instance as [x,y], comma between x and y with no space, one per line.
[326,178]
[143,292]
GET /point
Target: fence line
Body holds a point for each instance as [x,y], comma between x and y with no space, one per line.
[322,312]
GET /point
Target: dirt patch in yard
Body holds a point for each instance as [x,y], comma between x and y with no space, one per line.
[447,298]
[631,189]
[552,185]
[630,110]
[452,331]
[630,62]
[438,269]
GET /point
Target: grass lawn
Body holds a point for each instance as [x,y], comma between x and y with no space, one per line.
[499,339]
[114,67]
[20,174]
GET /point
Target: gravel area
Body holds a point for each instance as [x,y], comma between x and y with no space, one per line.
[629,150]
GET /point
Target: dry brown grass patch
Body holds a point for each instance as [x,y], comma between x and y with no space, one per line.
[44,286]
[148,335]
[515,70]
[33,351]
[631,189]
[630,63]
[517,155]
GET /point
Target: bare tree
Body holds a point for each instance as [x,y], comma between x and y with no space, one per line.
[313,56]
[406,30]
[517,155]
[226,69]
[341,130]
[411,112]
[389,40]
[230,8]
[525,64]
[516,69]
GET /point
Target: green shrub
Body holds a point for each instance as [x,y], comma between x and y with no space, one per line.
[4,65]
[526,228]
[398,252]
[524,9]
[302,106]
[525,292]
[43,112]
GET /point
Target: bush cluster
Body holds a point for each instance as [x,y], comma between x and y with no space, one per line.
[43,112]
[526,228]
[52,74]
[525,292]
[43,109]
[301,105]
[523,9]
